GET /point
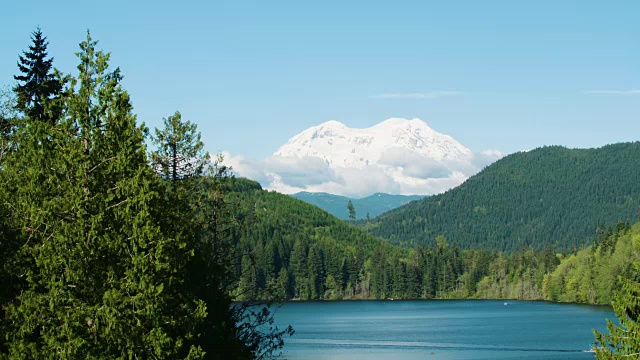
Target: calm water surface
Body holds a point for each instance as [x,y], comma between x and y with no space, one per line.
[440,329]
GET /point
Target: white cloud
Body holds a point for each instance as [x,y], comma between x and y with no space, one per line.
[415,165]
[486,157]
[492,153]
[613,92]
[398,171]
[425,95]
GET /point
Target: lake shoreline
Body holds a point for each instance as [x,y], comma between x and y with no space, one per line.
[407,300]
[294,301]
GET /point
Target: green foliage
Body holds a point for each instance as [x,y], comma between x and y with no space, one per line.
[549,197]
[592,275]
[101,278]
[623,341]
[10,283]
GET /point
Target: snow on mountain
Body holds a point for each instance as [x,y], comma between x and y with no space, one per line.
[396,156]
[341,146]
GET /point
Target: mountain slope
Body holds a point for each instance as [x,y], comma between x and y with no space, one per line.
[373,205]
[550,196]
[300,250]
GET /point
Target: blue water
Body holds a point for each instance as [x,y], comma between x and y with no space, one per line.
[440,329]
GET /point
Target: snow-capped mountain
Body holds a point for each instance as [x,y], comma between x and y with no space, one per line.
[344,147]
[396,156]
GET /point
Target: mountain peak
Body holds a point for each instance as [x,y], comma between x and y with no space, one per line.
[332,124]
[341,146]
[392,122]
[395,122]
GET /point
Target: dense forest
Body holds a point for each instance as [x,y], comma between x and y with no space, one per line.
[294,250]
[548,197]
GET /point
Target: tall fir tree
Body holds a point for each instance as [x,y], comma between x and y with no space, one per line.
[300,270]
[352,211]
[247,285]
[38,83]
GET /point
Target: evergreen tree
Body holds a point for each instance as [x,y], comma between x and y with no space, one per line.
[352,211]
[380,273]
[248,280]
[623,341]
[283,285]
[37,82]
[316,273]
[300,270]
[102,279]
[180,153]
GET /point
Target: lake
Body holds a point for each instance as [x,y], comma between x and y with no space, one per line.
[440,329]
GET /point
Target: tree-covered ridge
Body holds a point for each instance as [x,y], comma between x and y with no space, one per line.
[296,250]
[292,250]
[548,197]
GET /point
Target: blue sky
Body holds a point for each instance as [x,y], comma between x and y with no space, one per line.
[505,75]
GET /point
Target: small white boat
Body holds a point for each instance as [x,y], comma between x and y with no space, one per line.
[506,304]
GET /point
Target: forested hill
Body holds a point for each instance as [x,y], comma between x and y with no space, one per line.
[548,197]
[297,250]
[287,249]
